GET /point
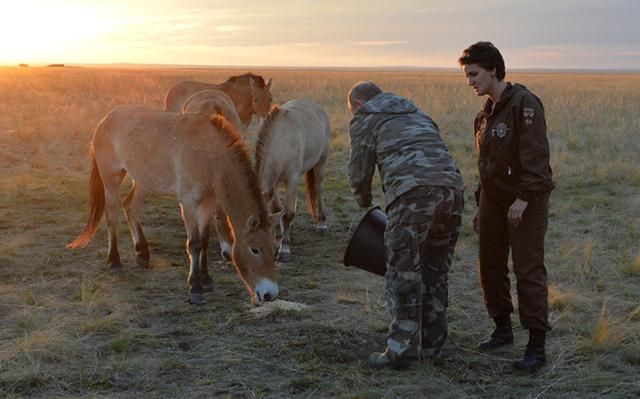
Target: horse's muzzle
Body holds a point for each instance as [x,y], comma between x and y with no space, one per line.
[266,290]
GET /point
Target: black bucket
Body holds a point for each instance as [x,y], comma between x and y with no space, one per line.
[366,247]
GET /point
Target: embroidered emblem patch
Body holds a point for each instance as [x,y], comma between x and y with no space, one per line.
[500,130]
[528,114]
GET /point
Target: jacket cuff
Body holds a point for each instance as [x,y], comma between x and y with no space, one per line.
[526,196]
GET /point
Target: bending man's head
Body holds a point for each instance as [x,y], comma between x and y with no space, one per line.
[360,93]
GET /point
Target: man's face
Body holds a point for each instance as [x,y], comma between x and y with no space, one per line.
[479,78]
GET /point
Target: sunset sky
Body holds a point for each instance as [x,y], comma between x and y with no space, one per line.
[421,33]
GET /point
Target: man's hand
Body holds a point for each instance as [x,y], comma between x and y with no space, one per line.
[514,216]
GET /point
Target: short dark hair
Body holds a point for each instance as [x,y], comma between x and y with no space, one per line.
[363,91]
[486,55]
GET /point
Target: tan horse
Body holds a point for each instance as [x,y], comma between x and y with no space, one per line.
[213,102]
[209,103]
[294,140]
[249,93]
[202,162]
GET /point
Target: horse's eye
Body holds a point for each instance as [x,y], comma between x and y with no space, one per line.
[255,251]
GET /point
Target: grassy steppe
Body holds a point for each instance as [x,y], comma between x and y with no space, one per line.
[70,329]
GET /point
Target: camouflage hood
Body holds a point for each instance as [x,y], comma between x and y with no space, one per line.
[387,103]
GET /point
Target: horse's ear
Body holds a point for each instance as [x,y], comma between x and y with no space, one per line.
[252,85]
[253,222]
[268,85]
[274,218]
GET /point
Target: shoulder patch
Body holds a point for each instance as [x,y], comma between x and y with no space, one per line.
[528,114]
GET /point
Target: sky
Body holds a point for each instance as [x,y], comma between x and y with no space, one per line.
[557,34]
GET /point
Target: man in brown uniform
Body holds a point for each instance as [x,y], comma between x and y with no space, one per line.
[512,199]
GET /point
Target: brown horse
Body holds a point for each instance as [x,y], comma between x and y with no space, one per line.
[213,102]
[249,92]
[294,140]
[205,164]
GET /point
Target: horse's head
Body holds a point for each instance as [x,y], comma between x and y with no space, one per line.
[254,257]
[261,97]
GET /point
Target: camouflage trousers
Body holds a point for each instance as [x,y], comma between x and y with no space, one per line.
[421,234]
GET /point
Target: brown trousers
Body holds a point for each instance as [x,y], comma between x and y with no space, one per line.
[527,251]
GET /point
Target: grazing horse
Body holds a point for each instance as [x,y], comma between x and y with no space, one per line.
[213,102]
[201,161]
[209,103]
[294,140]
[249,93]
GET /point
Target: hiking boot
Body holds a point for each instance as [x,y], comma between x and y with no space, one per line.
[501,336]
[382,360]
[534,356]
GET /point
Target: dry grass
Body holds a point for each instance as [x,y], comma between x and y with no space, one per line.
[70,329]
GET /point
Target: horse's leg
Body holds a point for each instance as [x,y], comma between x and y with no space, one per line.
[205,278]
[225,238]
[290,202]
[131,205]
[190,212]
[318,171]
[112,182]
[275,206]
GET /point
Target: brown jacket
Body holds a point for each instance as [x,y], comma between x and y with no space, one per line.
[513,149]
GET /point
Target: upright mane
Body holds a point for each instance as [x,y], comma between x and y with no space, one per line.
[240,153]
[264,135]
[244,79]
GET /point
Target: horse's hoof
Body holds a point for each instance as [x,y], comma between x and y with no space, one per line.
[196,299]
[284,257]
[322,227]
[116,268]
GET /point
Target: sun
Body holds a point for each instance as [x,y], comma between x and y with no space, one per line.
[43,31]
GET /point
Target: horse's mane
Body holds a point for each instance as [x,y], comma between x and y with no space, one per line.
[244,79]
[264,135]
[239,151]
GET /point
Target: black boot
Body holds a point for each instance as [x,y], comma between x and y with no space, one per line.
[382,360]
[501,336]
[534,356]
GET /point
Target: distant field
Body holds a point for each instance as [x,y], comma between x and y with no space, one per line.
[68,328]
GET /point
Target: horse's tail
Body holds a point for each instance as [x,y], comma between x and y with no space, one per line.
[96,206]
[311,194]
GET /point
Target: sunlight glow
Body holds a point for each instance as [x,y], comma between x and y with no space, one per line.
[39,30]
[419,33]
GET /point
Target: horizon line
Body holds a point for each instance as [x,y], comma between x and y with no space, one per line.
[308,67]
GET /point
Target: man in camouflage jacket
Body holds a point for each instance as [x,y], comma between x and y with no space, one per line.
[423,194]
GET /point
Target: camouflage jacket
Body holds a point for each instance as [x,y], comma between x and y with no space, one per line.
[390,132]
[513,149]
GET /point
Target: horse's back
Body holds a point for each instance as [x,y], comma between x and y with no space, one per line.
[306,113]
[151,145]
[300,137]
[178,94]
[211,102]
[310,120]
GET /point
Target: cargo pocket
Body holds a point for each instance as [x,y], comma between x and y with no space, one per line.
[402,255]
